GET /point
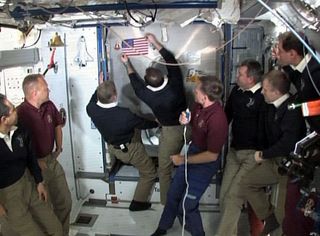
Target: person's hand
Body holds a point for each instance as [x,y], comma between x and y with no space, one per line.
[124,58]
[258,157]
[42,192]
[56,153]
[151,38]
[3,211]
[183,119]
[42,164]
[177,159]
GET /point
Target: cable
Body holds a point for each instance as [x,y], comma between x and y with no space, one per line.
[308,70]
[35,42]
[54,12]
[152,16]
[131,16]
[186,179]
[185,172]
[312,81]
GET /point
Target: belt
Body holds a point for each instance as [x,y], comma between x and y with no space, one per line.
[123,147]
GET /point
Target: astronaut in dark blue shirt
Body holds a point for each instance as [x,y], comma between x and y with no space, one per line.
[23,204]
[165,95]
[118,125]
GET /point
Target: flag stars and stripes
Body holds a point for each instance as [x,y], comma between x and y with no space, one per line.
[135,46]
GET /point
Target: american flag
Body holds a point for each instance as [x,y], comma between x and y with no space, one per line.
[135,46]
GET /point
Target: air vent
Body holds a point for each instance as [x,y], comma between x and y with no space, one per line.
[85,220]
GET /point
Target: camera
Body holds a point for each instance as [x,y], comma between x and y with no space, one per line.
[303,166]
[303,162]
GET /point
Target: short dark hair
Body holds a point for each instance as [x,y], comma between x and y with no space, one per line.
[291,42]
[30,80]
[278,80]
[4,109]
[211,86]
[106,91]
[254,69]
[153,77]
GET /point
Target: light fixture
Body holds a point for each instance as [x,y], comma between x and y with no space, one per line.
[189,21]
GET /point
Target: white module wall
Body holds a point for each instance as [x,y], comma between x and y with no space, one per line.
[57,83]
[93,188]
[11,85]
[75,89]
[83,80]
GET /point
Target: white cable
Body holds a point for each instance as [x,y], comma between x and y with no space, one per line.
[185,172]
[186,178]
[308,70]
[312,81]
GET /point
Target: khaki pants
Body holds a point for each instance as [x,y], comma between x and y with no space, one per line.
[171,142]
[266,174]
[238,164]
[26,214]
[251,187]
[6,230]
[138,157]
[59,193]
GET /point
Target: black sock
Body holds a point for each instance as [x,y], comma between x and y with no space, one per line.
[159,232]
[139,206]
[271,224]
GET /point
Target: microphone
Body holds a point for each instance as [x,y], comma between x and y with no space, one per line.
[188,114]
[311,108]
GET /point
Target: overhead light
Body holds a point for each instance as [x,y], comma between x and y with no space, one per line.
[187,22]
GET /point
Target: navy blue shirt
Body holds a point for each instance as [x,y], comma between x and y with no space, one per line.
[167,103]
[243,109]
[13,164]
[116,124]
[281,129]
[306,88]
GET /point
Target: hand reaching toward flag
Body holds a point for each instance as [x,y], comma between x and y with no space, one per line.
[153,40]
[124,58]
[126,62]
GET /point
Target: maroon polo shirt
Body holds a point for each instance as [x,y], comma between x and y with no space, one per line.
[41,125]
[209,127]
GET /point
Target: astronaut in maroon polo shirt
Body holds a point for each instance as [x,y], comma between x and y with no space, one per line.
[209,133]
[43,121]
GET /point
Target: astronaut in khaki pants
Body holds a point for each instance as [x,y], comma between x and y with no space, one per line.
[41,118]
[23,205]
[23,211]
